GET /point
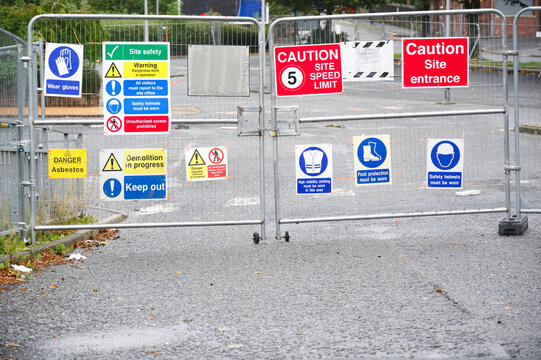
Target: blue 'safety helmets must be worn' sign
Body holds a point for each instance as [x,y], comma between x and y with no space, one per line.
[445,163]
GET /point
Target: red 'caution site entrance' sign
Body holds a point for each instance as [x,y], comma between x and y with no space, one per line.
[435,62]
[308,70]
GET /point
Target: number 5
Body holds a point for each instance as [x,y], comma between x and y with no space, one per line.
[291,78]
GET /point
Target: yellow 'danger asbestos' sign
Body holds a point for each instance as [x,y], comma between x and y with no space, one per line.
[67,163]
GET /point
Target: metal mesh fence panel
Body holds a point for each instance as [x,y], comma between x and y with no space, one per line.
[196,121]
[381,108]
[528,83]
[11,131]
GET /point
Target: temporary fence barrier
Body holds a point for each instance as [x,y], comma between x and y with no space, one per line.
[527,117]
[211,75]
[410,124]
[322,161]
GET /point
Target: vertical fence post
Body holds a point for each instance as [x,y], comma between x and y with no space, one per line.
[274,132]
[516,224]
[41,89]
[23,221]
[447,91]
[79,145]
[32,92]
[262,195]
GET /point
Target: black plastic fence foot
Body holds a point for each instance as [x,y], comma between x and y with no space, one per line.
[513,226]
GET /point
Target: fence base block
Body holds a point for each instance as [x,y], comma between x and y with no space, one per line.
[514,226]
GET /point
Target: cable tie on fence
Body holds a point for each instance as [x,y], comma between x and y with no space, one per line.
[226,146]
[400,173]
[94,43]
[165,146]
[76,36]
[349,141]
[425,140]
[40,34]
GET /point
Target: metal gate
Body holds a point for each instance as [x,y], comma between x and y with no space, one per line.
[408,118]
[201,119]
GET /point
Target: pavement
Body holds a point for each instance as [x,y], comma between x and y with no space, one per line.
[421,288]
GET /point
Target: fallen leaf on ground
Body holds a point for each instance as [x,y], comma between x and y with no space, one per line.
[224,329]
[25,289]
[44,293]
[439,291]
[507,308]
[149,318]
[53,286]
[12,345]
[235,346]
[497,303]
[178,272]
[258,272]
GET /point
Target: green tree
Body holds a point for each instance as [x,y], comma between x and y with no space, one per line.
[326,6]
[15,19]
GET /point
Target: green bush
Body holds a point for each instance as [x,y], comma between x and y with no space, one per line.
[8,71]
[91,80]
[319,36]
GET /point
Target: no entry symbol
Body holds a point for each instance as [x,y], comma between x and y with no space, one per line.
[216,155]
[114,123]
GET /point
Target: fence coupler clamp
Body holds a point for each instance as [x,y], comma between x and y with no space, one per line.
[272,133]
[510,52]
[25,59]
[512,168]
[22,226]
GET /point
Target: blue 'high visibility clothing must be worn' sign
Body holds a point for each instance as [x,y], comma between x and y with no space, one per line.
[445,163]
[314,169]
[63,70]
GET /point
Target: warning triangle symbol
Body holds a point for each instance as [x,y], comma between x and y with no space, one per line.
[112,164]
[113,72]
[196,159]
[67,153]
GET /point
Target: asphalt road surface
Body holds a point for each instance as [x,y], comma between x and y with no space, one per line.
[421,288]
